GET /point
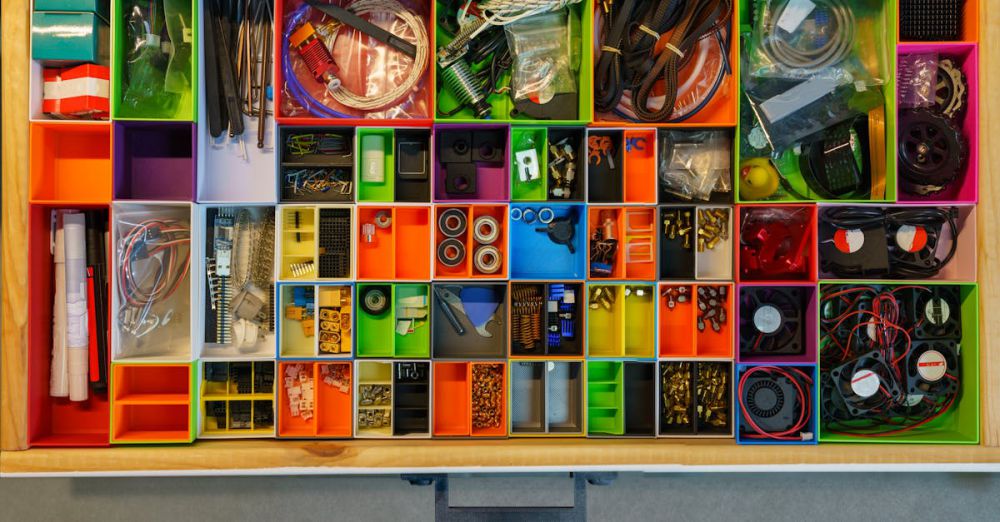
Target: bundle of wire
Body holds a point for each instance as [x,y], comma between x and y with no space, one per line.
[341,94]
[903,264]
[153,261]
[832,43]
[803,397]
[856,322]
[668,46]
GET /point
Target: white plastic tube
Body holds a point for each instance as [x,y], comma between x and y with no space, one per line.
[59,372]
[77,324]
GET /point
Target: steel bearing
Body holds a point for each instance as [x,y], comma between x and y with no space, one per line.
[452,222]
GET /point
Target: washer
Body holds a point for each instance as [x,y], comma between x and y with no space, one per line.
[515,214]
[486,229]
[529,216]
[487,259]
[452,222]
[451,252]
[546,215]
[383,219]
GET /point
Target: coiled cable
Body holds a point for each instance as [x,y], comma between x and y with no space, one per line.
[835,45]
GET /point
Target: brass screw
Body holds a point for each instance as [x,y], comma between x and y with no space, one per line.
[713,227]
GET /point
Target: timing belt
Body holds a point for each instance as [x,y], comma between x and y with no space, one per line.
[608,86]
[700,17]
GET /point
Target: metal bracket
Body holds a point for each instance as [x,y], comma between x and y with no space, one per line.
[445,512]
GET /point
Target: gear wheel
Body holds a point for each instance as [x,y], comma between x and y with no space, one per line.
[950,93]
[931,151]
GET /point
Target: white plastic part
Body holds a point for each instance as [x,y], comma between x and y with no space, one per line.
[77,325]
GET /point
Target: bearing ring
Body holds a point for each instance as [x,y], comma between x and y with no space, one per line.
[546,215]
[487,259]
[528,216]
[375,300]
[486,229]
[452,222]
[451,252]
[515,214]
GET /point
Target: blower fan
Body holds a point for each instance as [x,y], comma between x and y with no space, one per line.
[775,402]
[771,321]
[865,384]
[937,313]
[932,369]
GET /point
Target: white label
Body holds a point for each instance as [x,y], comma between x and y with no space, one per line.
[794,14]
[63,89]
[767,319]
[931,366]
[937,311]
[864,383]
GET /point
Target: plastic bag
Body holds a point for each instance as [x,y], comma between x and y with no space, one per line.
[179,27]
[917,80]
[144,93]
[693,164]
[366,67]
[841,40]
[152,280]
[540,49]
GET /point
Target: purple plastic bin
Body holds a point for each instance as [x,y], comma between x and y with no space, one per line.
[810,317]
[492,183]
[965,189]
[154,161]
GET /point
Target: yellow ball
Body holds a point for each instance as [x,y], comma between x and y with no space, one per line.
[758,179]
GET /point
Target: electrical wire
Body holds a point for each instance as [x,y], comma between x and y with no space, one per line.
[165,242]
[836,37]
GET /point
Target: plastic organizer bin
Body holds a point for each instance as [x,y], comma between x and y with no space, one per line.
[395,248]
[398,390]
[162,330]
[534,250]
[621,320]
[55,421]
[70,162]
[471,163]
[94,39]
[235,169]
[764,238]
[764,399]
[695,398]
[470,399]
[236,399]
[621,165]
[470,320]
[719,110]
[183,98]
[155,161]
[912,29]
[965,187]
[245,236]
[316,242]
[633,257]
[453,261]
[315,399]
[621,398]
[316,164]
[696,242]
[315,320]
[565,109]
[538,307]
[882,33]
[546,398]
[914,244]
[542,159]
[958,323]
[688,331]
[776,324]
[151,403]
[417,109]
[392,320]
[668,140]
[393,164]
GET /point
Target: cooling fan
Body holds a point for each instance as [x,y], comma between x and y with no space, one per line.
[915,244]
[936,313]
[775,402]
[932,369]
[771,321]
[865,384]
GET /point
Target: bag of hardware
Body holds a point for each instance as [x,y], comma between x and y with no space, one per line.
[693,164]
[147,57]
[334,70]
[539,46]
[152,280]
[917,79]
[846,41]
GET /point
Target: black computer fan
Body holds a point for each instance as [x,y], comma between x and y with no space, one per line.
[937,313]
[771,321]
[932,368]
[865,384]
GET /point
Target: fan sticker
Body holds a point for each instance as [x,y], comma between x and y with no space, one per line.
[865,383]
[911,239]
[931,366]
[937,311]
[849,241]
[767,319]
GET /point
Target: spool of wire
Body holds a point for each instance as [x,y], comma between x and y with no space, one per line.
[831,36]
